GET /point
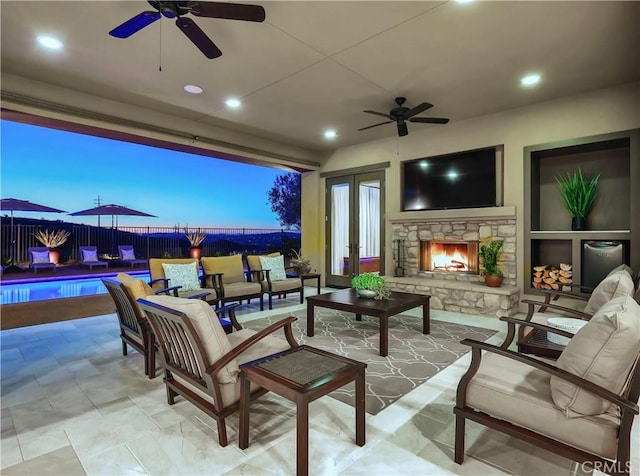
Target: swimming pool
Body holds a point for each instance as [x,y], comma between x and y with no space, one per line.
[28,291]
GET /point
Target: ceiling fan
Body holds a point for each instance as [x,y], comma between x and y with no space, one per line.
[400,114]
[178,10]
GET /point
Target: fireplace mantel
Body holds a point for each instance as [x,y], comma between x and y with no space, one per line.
[421,216]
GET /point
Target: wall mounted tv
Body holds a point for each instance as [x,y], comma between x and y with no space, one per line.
[469,179]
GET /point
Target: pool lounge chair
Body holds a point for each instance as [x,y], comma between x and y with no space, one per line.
[127,255]
[39,258]
[89,257]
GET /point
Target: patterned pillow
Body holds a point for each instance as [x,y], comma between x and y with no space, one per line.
[128,253]
[275,266]
[185,275]
[40,257]
[89,255]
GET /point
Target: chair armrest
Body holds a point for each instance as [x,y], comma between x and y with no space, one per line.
[241,347]
[231,308]
[554,295]
[167,291]
[557,307]
[157,280]
[476,355]
[267,277]
[201,295]
[254,274]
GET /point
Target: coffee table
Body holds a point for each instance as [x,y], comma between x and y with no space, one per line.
[348,300]
[302,374]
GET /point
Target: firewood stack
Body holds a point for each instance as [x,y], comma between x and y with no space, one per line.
[552,277]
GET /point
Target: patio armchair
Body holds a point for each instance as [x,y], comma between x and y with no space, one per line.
[127,255]
[89,257]
[39,259]
[201,362]
[228,276]
[581,408]
[182,275]
[269,271]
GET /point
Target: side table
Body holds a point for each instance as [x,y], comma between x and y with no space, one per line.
[302,375]
[304,277]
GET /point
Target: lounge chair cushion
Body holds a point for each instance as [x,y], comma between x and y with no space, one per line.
[136,288]
[603,352]
[614,285]
[89,255]
[231,267]
[40,257]
[275,265]
[185,275]
[208,327]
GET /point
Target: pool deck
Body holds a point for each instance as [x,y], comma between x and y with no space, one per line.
[72,270]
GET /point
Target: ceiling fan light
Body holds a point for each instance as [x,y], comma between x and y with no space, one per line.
[233,103]
[50,42]
[193,89]
[530,79]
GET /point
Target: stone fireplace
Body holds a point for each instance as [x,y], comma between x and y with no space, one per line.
[449,256]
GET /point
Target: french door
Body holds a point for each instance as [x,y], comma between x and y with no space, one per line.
[354,226]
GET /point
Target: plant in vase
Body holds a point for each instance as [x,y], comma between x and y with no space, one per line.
[195,240]
[370,285]
[578,193]
[52,240]
[299,263]
[489,252]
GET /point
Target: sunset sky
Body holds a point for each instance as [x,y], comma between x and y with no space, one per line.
[69,171]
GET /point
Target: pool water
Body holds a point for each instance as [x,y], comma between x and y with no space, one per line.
[61,288]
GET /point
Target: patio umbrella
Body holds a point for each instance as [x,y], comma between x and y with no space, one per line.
[13,204]
[113,210]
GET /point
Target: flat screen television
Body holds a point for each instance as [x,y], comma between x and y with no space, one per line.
[461,180]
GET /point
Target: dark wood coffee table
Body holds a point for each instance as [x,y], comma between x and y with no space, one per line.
[302,375]
[348,300]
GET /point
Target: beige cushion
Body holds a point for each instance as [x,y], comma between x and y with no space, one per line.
[231,267]
[615,285]
[254,261]
[204,319]
[603,352]
[241,289]
[286,285]
[622,267]
[136,288]
[520,394]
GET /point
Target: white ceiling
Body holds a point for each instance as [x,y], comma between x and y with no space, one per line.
[317,65]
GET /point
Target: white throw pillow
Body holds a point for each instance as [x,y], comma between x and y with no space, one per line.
[89,255]
[128,253]
[275,266]
[208,327]
[40,257]
[185,275]
[602,352]
[613,286]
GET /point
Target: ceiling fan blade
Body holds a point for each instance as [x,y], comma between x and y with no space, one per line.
[402,128]
[430,120]
[198,37]
[135,24]
[229,11]
[376,125]
[418,109]
[379,114]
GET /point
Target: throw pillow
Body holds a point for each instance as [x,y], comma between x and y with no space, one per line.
[208,327]
[89,255]
[185,275]
[616,285]
[40,257]
[602,352]
[253,261]
[128,253]
[275,266]
[622,267]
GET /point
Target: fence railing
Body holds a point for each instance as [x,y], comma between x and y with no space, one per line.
[149,242]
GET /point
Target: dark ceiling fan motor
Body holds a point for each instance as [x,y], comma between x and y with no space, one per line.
[178,10]
[400,114]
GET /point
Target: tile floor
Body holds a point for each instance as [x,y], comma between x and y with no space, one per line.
[73,405]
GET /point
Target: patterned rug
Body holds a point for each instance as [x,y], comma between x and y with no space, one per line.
[413,357]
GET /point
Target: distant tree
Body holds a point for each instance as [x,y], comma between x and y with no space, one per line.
[284,198]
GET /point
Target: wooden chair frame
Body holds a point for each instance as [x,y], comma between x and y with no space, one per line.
[182,354]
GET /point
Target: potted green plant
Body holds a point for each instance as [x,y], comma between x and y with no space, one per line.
[489,252]
[52,240]
[299,263]
[578,193]
[370,285]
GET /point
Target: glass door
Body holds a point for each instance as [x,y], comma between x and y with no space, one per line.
[354,226]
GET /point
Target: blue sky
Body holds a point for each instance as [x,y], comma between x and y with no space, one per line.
[68,171]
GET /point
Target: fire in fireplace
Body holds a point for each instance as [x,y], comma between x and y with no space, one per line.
[449,256]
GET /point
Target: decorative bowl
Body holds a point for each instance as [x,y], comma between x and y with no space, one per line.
[565,324]
[365,293]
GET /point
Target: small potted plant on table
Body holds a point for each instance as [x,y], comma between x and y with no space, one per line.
[489,255]
[370,285]
[299,263]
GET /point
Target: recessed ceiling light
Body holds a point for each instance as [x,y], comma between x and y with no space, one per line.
[465,1]
[193,89]
[50,42]
[330,134]
[233,103]
[530,79]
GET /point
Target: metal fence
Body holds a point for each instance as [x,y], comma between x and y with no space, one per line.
[150,242]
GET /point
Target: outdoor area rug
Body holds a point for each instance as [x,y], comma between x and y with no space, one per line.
[413,357]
